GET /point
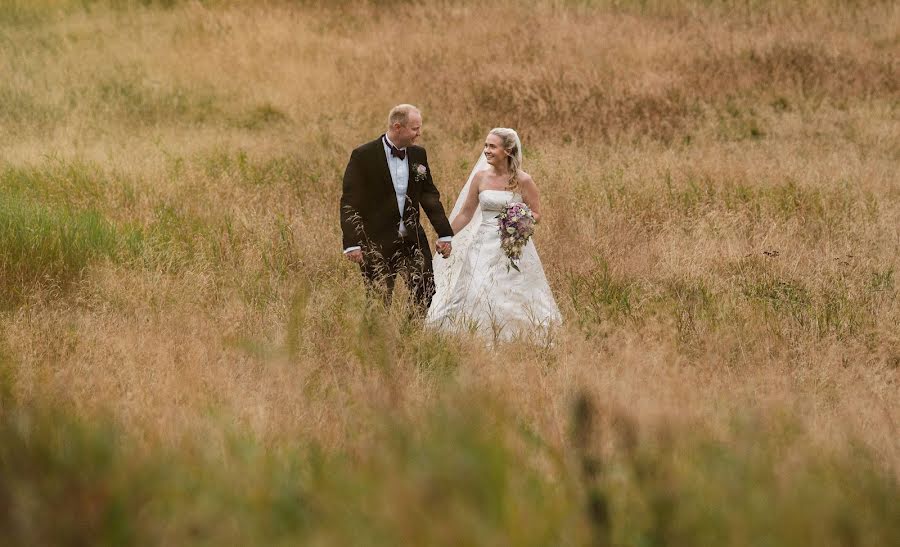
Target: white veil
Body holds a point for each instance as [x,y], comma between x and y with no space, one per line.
[446,270]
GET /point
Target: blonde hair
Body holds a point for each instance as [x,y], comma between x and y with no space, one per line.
[400,114]
[513,146]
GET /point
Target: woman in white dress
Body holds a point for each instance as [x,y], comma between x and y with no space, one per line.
[476,288]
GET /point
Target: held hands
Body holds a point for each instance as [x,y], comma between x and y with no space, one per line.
[444,248]
[355,256]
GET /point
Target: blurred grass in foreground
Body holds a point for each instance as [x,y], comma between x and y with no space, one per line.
[464,473]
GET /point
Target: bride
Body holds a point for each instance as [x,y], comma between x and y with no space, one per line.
[476,290]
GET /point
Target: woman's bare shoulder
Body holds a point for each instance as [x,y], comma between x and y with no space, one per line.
[478,179]
[525,178]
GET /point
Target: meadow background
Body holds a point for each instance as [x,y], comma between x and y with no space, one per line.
[185,356]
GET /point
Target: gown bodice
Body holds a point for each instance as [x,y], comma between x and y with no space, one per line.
[493,202]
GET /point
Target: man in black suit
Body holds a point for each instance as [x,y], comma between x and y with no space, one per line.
[385,183]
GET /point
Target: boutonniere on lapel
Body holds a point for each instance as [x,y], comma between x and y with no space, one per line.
[419,172]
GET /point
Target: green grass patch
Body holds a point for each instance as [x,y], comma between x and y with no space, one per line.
[73,184]
[41,244]
[54,223]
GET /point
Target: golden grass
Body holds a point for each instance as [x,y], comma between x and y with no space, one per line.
[720,185]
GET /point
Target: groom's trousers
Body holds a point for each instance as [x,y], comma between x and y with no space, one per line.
[410,262]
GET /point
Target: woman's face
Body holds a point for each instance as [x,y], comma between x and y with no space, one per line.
[494,151]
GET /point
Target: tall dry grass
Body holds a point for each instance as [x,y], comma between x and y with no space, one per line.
[721,234]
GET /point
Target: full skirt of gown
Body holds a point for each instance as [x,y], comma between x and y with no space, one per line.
[477,290]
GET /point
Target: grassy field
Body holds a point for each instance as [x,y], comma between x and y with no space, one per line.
[186,358]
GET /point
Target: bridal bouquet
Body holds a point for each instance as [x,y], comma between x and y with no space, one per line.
[516,225]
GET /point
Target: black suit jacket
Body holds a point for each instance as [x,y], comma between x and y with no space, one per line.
[369,215]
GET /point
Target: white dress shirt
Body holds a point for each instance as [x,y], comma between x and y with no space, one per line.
[399,176]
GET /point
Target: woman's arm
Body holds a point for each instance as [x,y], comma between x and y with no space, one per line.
[530,195]
[469,206]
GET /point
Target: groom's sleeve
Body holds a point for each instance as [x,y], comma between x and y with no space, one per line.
[351,222]
[431,204]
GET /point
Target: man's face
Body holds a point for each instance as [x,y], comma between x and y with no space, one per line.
[407,135]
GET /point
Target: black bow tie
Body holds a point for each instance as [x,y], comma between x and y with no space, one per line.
[396,152]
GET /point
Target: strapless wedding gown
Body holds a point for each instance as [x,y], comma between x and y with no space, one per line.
[476,291]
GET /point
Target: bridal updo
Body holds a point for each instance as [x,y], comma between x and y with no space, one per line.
[513,147]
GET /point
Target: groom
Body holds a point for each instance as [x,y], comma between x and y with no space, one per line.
[385,183]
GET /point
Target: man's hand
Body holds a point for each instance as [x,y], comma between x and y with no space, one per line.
[355,256]
[444,248]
